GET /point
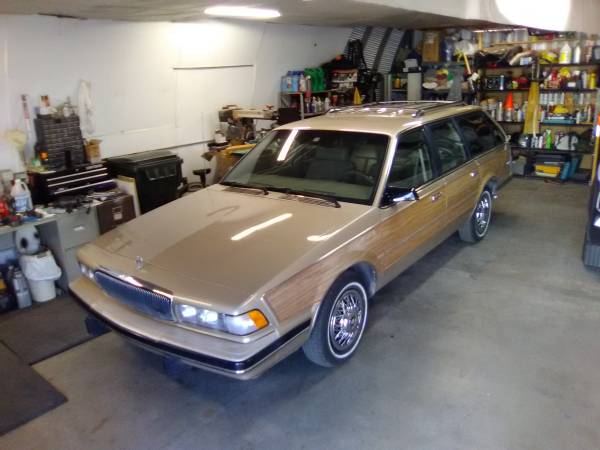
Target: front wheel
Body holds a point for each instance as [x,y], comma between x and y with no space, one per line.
[340,323]
[478,224]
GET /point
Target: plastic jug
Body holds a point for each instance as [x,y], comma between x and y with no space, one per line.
[565,54]
[21,196]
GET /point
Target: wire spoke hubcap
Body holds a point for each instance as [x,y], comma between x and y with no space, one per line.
[482,214]
[346,320]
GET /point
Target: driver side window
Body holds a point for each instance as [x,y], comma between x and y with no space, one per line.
[411,167]
[448,144]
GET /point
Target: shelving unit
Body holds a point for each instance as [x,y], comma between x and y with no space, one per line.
[555,126]
[285,101]
[550,151]
[548,124]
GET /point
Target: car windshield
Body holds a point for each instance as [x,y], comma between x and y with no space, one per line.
[341,165]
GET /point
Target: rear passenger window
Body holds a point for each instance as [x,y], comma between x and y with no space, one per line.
[448,144]
[480,133]
[411,167]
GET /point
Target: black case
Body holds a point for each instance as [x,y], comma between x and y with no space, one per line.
[157,175]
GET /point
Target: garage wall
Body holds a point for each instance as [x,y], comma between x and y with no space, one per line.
[131,69]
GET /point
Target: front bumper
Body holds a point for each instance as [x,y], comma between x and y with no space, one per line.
[245,361]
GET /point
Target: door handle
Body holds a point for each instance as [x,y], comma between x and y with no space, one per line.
[435,197]
[474,173]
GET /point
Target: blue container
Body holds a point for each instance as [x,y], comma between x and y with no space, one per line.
[295,81]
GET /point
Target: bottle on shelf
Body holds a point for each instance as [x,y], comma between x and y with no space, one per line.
[295,81]
[592,81]
[287,82]
[302,83]
[327,104]
[565,54]
[577,54]
[313,107]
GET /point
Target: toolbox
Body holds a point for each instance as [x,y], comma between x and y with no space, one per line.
[59,142]
[543,170]
[49,186]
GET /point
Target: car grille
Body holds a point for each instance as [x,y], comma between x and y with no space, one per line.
[141,299]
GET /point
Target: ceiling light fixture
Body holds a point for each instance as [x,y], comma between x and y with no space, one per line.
[242,12]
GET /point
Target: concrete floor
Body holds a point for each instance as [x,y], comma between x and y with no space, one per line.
[492,346]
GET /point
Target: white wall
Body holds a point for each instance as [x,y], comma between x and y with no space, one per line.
[131,69]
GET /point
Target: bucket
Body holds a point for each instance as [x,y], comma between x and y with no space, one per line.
[41,271]
[42,290]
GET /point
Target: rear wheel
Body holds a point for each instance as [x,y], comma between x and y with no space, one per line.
[478,224]
[340,323]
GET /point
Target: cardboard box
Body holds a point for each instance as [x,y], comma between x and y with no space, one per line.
[431,46]
[586,162]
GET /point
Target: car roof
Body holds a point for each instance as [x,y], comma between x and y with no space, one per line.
[382,117]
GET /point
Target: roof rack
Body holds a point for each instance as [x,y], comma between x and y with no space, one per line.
[418,107]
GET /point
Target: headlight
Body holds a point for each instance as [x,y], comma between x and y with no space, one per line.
[239,325]
[86,271]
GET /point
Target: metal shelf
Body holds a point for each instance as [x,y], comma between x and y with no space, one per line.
[551,151]
[541,90]
[589,64]
[549,124]
[552,180]
[304,93]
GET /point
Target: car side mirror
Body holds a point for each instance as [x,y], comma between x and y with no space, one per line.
[395,194]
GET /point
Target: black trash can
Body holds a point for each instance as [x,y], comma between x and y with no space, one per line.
[157,175]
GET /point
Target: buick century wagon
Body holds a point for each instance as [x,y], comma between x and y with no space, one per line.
[286,251]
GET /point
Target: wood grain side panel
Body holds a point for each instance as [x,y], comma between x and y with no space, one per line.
[397,236]
[494,165]
[463,191]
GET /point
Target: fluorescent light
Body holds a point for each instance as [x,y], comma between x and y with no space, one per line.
[242,11]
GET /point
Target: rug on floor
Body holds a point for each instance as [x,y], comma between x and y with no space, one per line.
[44,330]
[24,394]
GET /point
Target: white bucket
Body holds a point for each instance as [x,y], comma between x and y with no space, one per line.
[42,290]
[41,271]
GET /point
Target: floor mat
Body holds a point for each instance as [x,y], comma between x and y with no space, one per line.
[24,394]
[45,330]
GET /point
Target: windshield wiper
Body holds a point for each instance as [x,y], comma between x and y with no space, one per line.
[246,186]
[289,191]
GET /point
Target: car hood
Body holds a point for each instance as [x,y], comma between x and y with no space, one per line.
[228,237]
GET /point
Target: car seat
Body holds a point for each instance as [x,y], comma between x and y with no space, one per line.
[329,164]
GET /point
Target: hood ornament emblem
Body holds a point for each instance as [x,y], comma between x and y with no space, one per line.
[139,262]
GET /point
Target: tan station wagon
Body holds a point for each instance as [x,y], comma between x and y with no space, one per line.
[285,252]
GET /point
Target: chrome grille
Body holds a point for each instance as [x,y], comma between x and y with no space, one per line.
[139,298]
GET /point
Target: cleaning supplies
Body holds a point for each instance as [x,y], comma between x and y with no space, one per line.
[565,55]
[577,54]
[21,196]
[20,288]
[509,108]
